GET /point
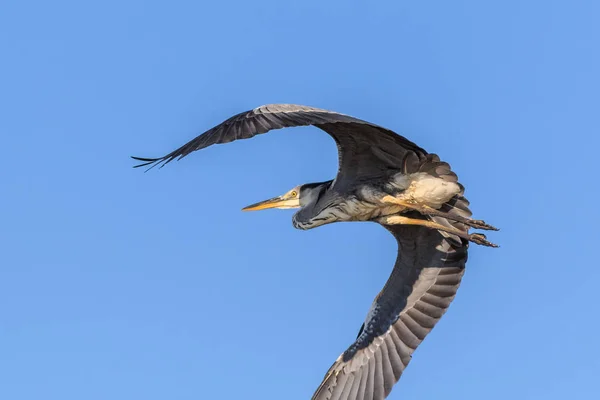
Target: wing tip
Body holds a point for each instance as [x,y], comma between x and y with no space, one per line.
[152,162]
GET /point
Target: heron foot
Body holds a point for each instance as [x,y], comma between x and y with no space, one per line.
[476,238]
[479,238]
[426,210]
[477,224]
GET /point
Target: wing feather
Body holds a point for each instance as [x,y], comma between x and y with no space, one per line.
[386,367]
[427,274]
[365,150]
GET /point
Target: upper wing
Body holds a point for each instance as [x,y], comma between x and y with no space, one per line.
[365,150]
[427,274]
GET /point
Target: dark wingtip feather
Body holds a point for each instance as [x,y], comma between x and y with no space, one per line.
[147,161]
[144,159]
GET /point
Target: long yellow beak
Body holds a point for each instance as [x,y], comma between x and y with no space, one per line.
[275,202]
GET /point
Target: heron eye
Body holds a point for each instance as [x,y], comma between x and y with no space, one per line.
[294,193]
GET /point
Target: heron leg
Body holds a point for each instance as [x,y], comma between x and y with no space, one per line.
[401,220]
[426,210]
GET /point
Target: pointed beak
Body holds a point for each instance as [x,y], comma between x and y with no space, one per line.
[275,202]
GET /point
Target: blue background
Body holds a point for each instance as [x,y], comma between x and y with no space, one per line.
[115,284]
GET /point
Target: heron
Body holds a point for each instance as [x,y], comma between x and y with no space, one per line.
[384,178]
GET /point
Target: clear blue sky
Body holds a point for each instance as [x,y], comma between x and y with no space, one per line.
[115,284]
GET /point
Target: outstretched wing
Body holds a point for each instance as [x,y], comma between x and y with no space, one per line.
[365,150]
[427,274]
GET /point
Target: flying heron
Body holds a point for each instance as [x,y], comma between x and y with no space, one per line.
[384,178]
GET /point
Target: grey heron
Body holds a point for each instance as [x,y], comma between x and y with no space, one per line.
[384,178]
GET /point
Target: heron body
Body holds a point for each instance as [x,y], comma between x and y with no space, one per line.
[387,179]
[367,201]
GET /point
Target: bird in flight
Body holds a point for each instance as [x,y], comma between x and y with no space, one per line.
[387,179]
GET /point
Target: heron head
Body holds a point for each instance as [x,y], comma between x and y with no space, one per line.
[297,197]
